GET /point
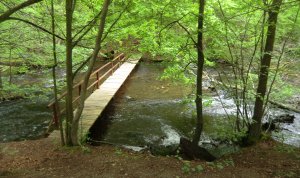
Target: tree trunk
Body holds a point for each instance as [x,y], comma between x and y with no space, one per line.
[200,63]
[83,92]
[69,106]
[255,127]
[192,151]
[10,70]
[1,83]
[54,73]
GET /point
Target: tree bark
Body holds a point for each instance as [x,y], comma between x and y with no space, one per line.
[10,67]
[1,83]
[60,125]
[255,127]
[69,97]
[193,151]
[9,12]
[83,92]
[200,63]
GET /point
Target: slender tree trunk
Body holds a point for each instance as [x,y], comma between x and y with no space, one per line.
[200,63]
[255,127]
[79,110]
[10,66]
[1,83]
[54,73]
[69,106]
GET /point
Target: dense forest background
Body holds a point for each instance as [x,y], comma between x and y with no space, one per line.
[156,26]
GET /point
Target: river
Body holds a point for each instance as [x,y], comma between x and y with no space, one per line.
[146,111]
[150,111]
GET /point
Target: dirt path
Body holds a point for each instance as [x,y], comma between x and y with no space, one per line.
[44,158]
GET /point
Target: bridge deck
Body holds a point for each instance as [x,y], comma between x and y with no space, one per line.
[99,99]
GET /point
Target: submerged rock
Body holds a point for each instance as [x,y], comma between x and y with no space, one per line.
[270,126]
[129,98]
[273,124]
[284,118]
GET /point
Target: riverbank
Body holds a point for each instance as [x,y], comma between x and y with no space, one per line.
[45,158]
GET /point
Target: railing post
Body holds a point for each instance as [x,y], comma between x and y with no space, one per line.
[97,77]
[115,63]
[79,89]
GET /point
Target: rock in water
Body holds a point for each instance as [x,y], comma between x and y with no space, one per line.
[193,151]
[285,118]
[129,98]
[274,123]
[269,126]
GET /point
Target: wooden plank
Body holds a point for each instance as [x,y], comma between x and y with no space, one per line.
[99,99]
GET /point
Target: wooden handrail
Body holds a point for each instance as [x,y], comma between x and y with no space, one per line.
[81,81]
[113,63]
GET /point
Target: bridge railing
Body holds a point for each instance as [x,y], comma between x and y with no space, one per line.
[96,78]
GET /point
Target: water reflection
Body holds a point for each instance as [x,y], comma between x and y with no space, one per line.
[150,111]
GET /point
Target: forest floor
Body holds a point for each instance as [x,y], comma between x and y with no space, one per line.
[45,158]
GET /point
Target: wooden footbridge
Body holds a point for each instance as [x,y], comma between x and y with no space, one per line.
[103,85]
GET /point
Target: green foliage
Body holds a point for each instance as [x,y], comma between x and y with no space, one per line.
[228,162]
[232,32]
[207,102]
[84,137]
[287,174]
[285,148]
[266,136]
[221,164]
[210,63]
[86,149]
[223,129]
[199,168]
[187,168]
[282,90]
[118,152]
[175,73]
[13,91]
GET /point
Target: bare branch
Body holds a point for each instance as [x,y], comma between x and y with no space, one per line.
[169,26]
[35,25]
[115,22]
[188,32]
[9,12]
[89,25]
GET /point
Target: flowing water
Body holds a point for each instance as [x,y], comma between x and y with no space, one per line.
[146,111]
[26,118]
[149,111]
[23,119]
[29,118]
